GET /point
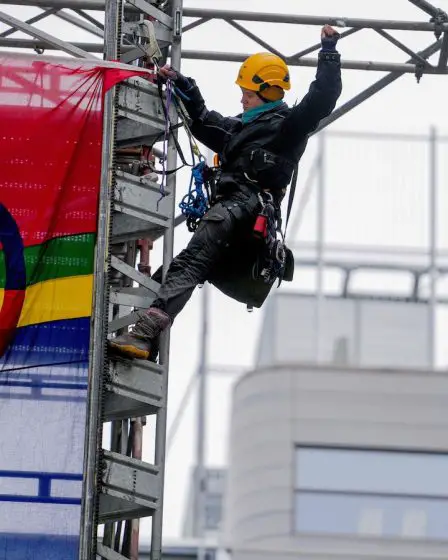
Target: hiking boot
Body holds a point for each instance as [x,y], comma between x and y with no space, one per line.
[137,344]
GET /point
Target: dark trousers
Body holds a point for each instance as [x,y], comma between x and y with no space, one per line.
[228,219]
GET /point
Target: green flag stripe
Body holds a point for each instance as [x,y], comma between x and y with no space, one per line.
[57,258]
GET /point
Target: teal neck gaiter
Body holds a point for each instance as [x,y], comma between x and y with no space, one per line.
[251,114]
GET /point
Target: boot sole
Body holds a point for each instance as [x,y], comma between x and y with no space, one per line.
[129,350]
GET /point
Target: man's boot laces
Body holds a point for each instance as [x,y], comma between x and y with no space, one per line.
[149,325]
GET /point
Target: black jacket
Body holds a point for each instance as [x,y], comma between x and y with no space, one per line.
[265,150]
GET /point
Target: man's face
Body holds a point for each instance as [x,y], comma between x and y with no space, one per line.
[250,99]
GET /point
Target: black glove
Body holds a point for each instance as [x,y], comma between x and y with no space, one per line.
[329,42]
[181,82]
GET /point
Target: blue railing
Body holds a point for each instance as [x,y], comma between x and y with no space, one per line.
[43,495]
[40,382]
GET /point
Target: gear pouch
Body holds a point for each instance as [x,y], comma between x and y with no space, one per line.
[268,169]
[288,273]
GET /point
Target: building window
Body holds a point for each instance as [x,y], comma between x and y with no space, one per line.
[372,493]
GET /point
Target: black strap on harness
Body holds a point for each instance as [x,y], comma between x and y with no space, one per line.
[275,261]
[292,192]
[171,130]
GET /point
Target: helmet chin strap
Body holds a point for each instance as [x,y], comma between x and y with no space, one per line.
[262,98]
[266,99]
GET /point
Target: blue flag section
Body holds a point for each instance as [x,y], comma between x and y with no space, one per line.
[51,117]
[48,217]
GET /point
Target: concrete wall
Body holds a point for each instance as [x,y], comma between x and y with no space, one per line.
[361,332]
[276,409]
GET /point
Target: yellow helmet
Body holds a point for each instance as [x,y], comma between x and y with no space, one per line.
[263,71]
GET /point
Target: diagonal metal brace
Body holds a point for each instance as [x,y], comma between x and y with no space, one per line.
[32,20]
[108,553]
[38,34]
[254,37]
[415,56]
[94,30]
[372,90]
[152,11]
[443,58]
[135,275]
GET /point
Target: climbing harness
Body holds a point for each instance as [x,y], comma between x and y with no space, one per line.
[271,259]
[201,191]
[196,202]
[199,198]
[200,194]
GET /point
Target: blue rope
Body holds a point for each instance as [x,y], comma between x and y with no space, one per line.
[195,203]
[181,94]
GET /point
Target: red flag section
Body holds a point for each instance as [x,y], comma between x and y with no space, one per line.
[51,124]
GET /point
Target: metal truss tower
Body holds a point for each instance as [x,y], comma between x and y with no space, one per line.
[119,487]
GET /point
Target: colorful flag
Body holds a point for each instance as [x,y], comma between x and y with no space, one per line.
[51,115]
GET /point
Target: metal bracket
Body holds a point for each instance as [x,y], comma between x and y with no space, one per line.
[142,199]
[131,297]
[133,389]
[177,23]
[139,100]
[108,553]
[130,488]
[122,322]
[151,10]
[439,19]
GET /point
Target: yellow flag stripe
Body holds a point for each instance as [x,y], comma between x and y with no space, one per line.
[54,300]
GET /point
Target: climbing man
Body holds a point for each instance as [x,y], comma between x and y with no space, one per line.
[258,151]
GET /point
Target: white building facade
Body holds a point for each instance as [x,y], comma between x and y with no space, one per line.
[347,459]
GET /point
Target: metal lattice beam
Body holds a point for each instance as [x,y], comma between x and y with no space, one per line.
[42,36]
[313,20]
[93,29]
[30,21]
[373,89]
[417,65]
[405,68]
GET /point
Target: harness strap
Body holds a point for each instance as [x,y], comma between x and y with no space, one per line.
[292,191]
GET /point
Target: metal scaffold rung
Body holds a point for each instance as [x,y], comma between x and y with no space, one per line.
[107,553]
[130,488]
[141,198]
[140,104]
[129,228]
[141,118]
[131,297]
[133,389]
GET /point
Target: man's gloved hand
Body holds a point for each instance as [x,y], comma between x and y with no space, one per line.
[167,73]
[329,38]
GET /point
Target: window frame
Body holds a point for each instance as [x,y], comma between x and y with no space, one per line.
[359,493]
